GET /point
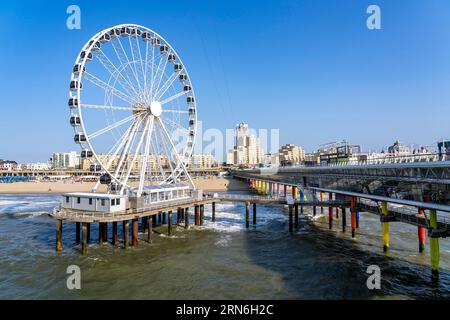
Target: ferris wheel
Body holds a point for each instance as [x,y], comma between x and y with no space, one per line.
[133,109]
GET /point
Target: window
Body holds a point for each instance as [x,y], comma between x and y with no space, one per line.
[113,202]
[103,202]
[67,199]
[78,200]
[90,201]
[117,201]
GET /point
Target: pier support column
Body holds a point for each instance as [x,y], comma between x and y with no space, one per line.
[169,225]
[322,196]
[84,228]
[337,213]
[77,233]
[330,212]
[285,190]
[126,233]
[344,219]
[186,218]
[290,219]
[247,214]
[114,233]
[434,247]
[164,218]
[88,232]
[353,215]
[135,233]
[197,215]
[254,213]
[179,215]
[213,210]
[385,227]
[59,235]
[314,211]
[202,214]
[421,232]
[149,230]
[296,216]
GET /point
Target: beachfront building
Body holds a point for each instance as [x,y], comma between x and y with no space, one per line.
[65,160]
[247,150]
[291,155]
[202,161]
[35,166]
[8,165]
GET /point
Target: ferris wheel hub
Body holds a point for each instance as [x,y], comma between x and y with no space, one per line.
[156,108]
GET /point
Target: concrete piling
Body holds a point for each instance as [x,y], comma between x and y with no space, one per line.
[178,215]
[164,218]
[149,230]
[254,213]
[202,214]
[296,216]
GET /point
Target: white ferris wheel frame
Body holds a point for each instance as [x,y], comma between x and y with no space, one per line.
[181,160]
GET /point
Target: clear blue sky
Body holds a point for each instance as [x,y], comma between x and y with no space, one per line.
[310,68]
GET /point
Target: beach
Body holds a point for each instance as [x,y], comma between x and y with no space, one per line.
[212,184]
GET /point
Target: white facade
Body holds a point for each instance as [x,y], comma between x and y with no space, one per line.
[65,160]
[247,149]
[35,166]
[8,165]
[201,161]
[292,153]
[94,202]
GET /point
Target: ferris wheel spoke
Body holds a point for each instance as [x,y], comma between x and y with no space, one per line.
[129,139]
[142,65]
[115,73]
[180,161]
[157,152]
[174,97]
[174,125]
[134,57]
[110,127]
[160,75]
[155,75]
[146,154]
[96,106]
[162,90]
[109,88]
[138,148]
[131,65]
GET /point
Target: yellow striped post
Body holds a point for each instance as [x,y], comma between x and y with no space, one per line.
[385,227]
[434,246]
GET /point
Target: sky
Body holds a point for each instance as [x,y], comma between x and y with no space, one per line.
[311,69]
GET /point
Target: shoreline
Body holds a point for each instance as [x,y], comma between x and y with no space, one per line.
[60,187]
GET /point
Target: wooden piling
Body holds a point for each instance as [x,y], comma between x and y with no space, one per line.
[254,213]
[126,233]
[290,219]
[178,215]
[213,212]
[135,233]
[247,214]
[77,232]
[84,228]
[353,215]
[202,214]
[88,232]
[197,215]
[164,218]
[59,235]
[114,233]
[169,225]
[186,218]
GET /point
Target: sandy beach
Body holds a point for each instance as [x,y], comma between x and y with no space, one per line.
[207,184]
